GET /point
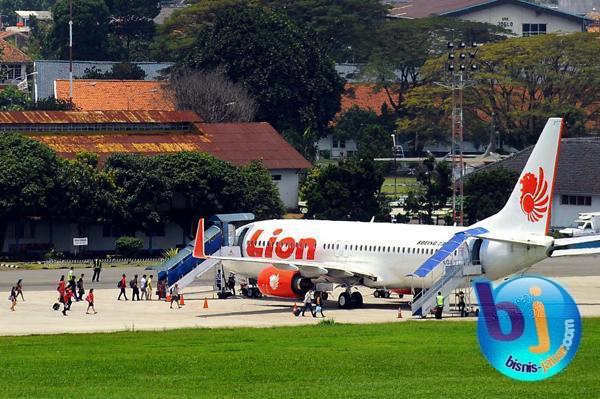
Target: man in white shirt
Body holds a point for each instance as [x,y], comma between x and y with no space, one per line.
[308,298]
[143,287]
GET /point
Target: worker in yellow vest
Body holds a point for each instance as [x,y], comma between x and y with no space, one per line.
[439,305]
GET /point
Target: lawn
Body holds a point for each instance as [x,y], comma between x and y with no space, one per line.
[410,360]
[403,185]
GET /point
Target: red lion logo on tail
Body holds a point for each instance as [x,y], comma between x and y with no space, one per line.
[534,196]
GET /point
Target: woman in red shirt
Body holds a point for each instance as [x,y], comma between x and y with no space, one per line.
[61,287]
[90,299]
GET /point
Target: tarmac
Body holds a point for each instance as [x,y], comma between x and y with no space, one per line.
[580,276]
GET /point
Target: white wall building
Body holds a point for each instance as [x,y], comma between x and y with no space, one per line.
[334,148]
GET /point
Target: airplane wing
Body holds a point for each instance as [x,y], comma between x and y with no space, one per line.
[587,245]
[306,269]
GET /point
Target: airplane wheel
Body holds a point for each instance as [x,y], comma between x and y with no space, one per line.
[376,294]
[344,301]
[250,292]
[356,299]
[324,296]
[400,296]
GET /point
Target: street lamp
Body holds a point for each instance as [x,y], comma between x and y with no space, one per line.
[395,167]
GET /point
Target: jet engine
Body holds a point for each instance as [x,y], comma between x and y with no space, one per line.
[282,283]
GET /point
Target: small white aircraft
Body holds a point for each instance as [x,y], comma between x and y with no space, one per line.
[289,256]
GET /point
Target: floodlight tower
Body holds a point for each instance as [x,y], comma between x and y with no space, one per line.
[459,66]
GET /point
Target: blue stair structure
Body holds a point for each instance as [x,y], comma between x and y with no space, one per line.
[181,265]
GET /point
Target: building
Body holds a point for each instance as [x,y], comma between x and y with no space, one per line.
[522,17]
[13,63]
[24,19]
[116,95]
[147,133]
[577,186]
[579,7]
[48,71]
[364,96]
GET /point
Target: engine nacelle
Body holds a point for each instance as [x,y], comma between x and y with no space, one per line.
[282,283]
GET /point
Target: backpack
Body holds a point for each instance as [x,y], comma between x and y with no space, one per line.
[119,284]
[131,283]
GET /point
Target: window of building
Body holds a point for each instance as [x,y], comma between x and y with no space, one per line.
[276,177]
[13,72]
[534,29]
[579,200]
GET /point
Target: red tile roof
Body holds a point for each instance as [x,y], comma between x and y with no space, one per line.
[364,96]
[77,117]
[96,94]
[238,143]
[12,55]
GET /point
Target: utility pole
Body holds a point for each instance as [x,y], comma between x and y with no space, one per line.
[457,79]
[71,51]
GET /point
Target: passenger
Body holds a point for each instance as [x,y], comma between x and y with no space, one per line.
[72,282]
[12,297]
[143,287]
[90,300]
[97,269]
[135,290]
[61,287]
[20,289]
[231,282]
[149,288]
[162,289]
[439,301]
[122,284]
[175,296]
[319,303]
[66,300]
[80,289]
[308,298]
[461,303]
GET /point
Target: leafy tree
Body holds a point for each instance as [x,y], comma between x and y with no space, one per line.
[13,99]
[27,170]
[129,246]
[132,22]
[292,79]
[119,71]
[487,191]
[212,96]
[91,25]
[260,195]
[348,191]
[435,179]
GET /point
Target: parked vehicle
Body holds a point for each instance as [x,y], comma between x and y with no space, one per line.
[587,224]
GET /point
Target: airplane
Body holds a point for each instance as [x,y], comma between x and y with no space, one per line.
[287,257]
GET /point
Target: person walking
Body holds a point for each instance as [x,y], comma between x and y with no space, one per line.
[80,289]
[12,297]
[461,303]
[72,282]
[122,285]
[61,287]
[135,290]
[66,300]
[161,287]
[90,300]
[20,289]
[439,305]
[231,283]
[308,298]
[175,296]
[149,288]
[97,269]
[143,287]
[319,304]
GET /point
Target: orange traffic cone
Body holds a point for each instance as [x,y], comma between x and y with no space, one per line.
[168,298]
[400,312]
[205,303]
[181,301]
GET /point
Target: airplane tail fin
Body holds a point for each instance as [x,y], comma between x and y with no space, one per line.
[529,207]
[199,242]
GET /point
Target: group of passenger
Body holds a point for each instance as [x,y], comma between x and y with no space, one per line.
[73,289]
[313,297]
[143,286]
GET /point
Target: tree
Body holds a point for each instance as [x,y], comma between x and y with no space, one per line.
[119,71]
[132,22]
[487,191]
[260,195]
[8,8]
[348,191]
[91,20]
[435,178]
[291,78]
[27,170]
[212,96]
[12,99]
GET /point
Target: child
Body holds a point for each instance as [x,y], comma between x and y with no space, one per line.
[90,299]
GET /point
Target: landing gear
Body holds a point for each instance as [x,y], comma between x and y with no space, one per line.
[381,294]
[348,300]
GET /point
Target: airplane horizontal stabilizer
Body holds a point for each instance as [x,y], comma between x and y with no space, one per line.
[575,252]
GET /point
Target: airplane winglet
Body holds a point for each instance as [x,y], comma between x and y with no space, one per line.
[199,243]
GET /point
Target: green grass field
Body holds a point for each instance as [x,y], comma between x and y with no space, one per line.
[403,185]
[408,360]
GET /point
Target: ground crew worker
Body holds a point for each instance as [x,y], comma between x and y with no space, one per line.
[461,303]
[439,305]
[97,270]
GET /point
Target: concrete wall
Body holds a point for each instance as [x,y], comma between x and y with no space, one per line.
[326,144]
[40,236]
[513,17]
[565,215]
[287,182]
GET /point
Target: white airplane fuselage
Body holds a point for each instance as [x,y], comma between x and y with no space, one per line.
[391,252]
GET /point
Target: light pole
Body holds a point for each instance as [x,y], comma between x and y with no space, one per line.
[395,167]
[456,80]
[71,51]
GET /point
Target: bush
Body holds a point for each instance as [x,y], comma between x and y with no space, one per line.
[129,246]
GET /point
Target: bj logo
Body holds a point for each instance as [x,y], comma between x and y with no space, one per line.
[529,328]
[534,195]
